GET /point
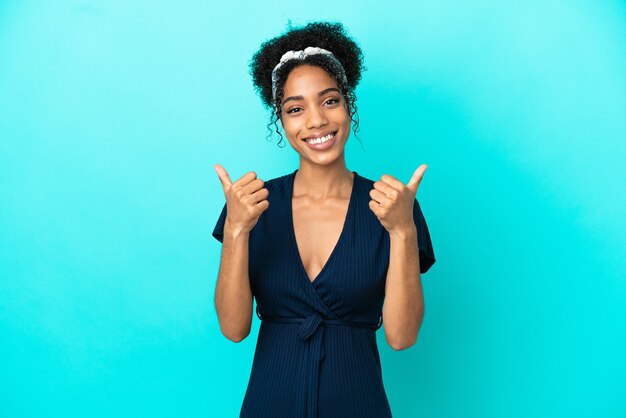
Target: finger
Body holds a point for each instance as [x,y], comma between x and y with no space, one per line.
[222,174]
[245,179]
[379,197]
[376,208]
[252,187]
[384,187]
[258,196]
[262,206]
[393,182]
[416,178]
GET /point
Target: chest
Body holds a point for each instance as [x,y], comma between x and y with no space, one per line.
[318,229]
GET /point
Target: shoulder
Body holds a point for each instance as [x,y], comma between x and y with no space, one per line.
[276,183]
[278,188]
[363,181]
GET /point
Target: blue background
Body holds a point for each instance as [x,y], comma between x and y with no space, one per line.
[112,115]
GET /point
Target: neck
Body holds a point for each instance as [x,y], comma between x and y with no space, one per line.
[321,181]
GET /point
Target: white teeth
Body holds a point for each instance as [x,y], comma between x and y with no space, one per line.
[320,140]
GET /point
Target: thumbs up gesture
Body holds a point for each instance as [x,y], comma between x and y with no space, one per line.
[392,201]
[246,199]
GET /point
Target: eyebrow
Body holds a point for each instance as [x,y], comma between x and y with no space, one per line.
[321,93]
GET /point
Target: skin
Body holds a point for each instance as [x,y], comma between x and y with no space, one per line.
[246,200]
[322,186]
[323,183]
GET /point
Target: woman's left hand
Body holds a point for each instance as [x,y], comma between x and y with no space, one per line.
[392,201]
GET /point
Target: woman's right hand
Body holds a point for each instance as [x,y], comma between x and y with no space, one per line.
[246,199]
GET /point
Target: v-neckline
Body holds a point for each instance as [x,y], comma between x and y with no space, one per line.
[341,234]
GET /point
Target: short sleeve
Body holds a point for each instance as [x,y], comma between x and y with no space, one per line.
[426,253]
[218,231]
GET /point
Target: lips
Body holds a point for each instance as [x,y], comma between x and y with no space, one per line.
[319,136]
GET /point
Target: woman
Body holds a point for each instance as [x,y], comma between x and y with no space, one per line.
[329,249]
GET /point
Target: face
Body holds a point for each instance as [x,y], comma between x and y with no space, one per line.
[314,106]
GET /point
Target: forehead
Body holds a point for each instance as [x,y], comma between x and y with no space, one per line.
[306,78]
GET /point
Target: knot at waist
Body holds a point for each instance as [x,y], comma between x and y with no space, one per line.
[312,322]
[315,352]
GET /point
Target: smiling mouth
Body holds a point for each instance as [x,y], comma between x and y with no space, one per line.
[317,140]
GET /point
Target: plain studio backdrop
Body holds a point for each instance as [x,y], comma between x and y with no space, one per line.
[112,115]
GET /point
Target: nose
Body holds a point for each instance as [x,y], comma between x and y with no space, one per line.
[315,118]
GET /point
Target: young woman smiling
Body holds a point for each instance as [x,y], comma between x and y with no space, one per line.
[321,248]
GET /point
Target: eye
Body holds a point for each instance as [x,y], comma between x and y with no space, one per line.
[327,101]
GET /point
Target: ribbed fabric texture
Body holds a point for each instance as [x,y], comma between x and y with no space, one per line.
[316,354]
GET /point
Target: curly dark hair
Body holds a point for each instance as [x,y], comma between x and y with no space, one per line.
[326,35]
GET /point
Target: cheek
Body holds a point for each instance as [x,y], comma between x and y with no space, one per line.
[343,114]
[291,130]
[347,121]
[294,125]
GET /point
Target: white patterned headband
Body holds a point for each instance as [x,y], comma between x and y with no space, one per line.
[301,54]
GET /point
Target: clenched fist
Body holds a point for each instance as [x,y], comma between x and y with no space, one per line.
[246,199]
[392,202]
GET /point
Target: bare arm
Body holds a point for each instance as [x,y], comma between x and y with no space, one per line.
[246,200]
[403,310]
[233,296]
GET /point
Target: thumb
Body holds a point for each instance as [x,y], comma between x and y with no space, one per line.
[223,176]
[416,178]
